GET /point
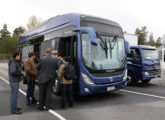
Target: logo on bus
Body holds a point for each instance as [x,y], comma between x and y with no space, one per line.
[110,79]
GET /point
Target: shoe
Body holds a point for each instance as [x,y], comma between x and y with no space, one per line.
[47,108]
[18,112]
[70,105]
[40,108]
[19,109]
[31,104]
[28,104]
[62,106]
[34,101]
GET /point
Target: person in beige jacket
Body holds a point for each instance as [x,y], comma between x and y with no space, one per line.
[66,86]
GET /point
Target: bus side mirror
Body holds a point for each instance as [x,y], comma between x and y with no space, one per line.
[90,31]
[127,48]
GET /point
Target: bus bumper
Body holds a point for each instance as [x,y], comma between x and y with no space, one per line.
[96,89]
[151,75]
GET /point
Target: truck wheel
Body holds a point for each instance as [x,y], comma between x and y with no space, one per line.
[56,88]
[146,81]
[130,79]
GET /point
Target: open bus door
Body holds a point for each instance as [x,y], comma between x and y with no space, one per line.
[68,48]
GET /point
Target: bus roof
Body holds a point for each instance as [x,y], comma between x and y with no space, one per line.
[59,22]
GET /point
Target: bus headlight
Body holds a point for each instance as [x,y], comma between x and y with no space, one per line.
[125,75]
[87,79]
[146,73]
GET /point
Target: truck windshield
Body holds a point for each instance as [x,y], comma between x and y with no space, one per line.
[108,54]
[150,54]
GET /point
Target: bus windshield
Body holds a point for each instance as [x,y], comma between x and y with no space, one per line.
[108,54]
[150,54]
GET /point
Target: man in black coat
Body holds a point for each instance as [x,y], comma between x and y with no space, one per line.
[47,73]
[15,75]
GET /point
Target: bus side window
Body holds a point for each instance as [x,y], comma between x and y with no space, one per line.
[164,55]
[37,52]
[56,44]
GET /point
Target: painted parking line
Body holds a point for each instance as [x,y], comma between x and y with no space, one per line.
[50,111]
[144,94]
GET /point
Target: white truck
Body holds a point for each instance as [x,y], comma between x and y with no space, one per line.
[161,51]
[132,39]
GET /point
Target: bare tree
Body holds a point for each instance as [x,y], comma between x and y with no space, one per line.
[33,21]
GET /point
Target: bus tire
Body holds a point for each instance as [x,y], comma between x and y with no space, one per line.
[130,79]
[146,81]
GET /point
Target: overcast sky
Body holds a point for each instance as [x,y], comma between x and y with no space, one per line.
[130,14]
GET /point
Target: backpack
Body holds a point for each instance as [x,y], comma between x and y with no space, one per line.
[69,72]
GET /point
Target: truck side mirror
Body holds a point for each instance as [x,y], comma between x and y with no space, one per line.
[127,48]
[90,31]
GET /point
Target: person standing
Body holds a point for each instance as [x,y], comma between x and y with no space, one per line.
[66,74]
[15,76]
[47,73]
[31,72]
[60,60]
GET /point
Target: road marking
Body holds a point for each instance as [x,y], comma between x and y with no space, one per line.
[50,111]
[144,94]
[56,114]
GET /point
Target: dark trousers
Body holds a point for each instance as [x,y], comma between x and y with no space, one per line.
[67,94]
[30,92]
[45,91]
[14,96]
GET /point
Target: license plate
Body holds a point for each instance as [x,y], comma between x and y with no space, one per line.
[156,76]
[110,88]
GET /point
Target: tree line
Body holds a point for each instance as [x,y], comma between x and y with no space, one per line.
[144,39]
[8,41]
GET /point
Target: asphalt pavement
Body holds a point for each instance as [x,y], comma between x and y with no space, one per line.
[139,102]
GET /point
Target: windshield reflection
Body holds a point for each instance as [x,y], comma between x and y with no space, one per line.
[108,54]
[150,54]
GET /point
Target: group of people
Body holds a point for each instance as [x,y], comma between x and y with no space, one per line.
[46,71]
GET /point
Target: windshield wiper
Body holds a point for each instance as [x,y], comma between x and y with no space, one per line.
[114,40]
[103,44]
[112,46]
[122,60]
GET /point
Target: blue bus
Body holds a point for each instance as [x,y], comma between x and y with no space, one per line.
[95,46]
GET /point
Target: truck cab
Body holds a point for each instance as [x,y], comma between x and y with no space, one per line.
[142,64]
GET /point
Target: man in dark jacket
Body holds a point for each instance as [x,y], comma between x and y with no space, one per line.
[15,75]
[47,73]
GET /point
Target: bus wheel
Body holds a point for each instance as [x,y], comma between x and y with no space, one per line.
[146,81]
[130,79]
[56,87]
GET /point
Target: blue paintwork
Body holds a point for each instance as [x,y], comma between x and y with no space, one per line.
[127,47]
[137,66]
[53,24]
[91,33]
[50,25]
